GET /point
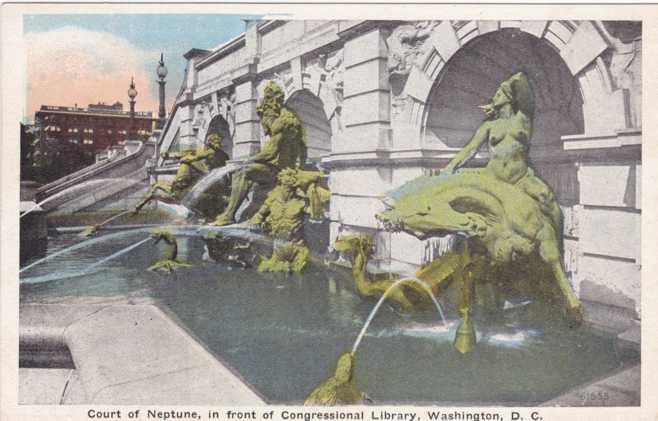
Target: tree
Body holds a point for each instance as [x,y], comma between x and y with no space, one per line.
[46,159]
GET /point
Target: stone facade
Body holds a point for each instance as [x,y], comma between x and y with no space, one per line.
[386,101]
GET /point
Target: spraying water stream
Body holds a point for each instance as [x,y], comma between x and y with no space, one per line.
[70,190]
[117,254]
[74,247]
[194,195]
[372,314]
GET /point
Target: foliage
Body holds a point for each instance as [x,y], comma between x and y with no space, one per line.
[45,160]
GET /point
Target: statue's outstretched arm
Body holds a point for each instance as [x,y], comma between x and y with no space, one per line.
[171,155]
[468,151]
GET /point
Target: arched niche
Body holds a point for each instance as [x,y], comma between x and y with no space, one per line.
[220,126]
[471,77]
[310,110]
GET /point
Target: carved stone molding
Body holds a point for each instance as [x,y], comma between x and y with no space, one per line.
[323,77]
[207,109]
[407,45]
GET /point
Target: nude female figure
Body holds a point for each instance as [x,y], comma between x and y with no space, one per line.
[507,132]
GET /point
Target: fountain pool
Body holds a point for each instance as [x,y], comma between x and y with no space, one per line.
[283,333]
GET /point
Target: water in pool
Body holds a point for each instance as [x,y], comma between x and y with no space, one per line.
[283,333]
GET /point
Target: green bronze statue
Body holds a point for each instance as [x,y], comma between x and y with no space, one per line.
[507,131]
[193,165]
[340,388]
[285,148]
[505,212]
[408,295]
[169,261]
[282,216]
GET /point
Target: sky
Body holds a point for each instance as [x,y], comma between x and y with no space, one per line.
[89,58]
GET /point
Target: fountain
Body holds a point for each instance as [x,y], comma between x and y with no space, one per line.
[269,327]
[282,331]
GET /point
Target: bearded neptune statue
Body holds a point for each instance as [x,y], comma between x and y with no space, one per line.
[503,212]
[285,148]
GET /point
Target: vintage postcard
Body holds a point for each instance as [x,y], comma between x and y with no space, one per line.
[328,212]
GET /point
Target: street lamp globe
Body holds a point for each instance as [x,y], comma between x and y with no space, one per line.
[162,69]
[132,92]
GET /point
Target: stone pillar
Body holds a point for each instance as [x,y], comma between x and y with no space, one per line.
[607,229]
[246,141]
[356,180]
[366,103]
[186,136]
[247,138]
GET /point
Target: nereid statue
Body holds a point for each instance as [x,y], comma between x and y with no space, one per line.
[504,211]
[193,165]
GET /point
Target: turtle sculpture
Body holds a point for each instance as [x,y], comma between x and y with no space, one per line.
[340,388]
[501,224]
[169,261]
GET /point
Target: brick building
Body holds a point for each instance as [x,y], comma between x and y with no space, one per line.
[96,127]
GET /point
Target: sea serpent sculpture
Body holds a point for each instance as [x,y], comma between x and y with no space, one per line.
[499,224]
[409,295]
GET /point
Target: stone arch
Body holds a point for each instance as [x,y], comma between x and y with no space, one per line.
[214,116]
[471,77]
[579,44]
[220,126]
[311,111]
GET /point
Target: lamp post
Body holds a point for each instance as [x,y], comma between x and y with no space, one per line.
[162,73]
[132,93]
